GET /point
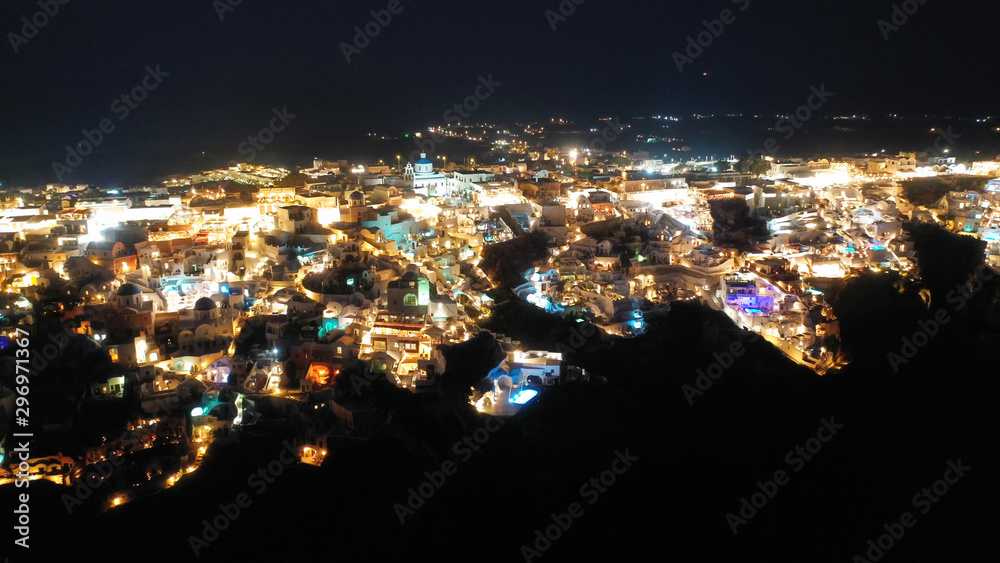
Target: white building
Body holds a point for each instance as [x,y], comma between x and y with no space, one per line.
[465,180]
[424,180]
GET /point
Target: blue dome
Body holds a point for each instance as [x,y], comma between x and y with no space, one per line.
[128,289]
[204,304]
[424,161]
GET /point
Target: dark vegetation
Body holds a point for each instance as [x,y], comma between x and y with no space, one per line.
[506,262]
[733,225]
[928,191]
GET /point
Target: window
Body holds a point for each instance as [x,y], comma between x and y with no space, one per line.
[410,300]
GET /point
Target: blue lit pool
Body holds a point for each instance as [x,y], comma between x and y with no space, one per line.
[523,396]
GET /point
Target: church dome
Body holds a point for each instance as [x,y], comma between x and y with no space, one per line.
[357,195]
[204,304]
[128,289]
[424,161]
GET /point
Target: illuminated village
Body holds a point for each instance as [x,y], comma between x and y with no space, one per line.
[229,296]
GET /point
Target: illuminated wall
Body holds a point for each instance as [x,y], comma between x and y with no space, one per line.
[423,291]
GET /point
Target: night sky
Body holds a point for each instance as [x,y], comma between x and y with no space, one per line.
[224,80]
[607,58]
